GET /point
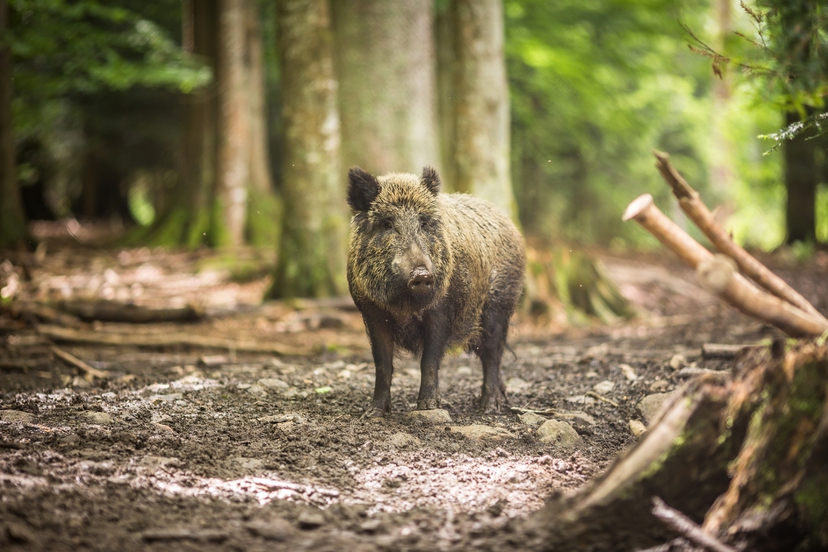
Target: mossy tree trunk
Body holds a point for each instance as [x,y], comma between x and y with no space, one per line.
[474,103]
[746,458]
[13,232]
[385,63]
[311,260]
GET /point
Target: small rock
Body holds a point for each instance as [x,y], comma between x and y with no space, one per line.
[293,393]
[560,434]
[436,416]
[17,533]
[659,385]
[370,526]
[257,390]
[637,428]
[592,374]
[598,352]
[402,440]
[481,432]
[98,418]
[651,405]
[310,519]
[678,361]
[154,463]
[576,414]
[274,529]
[532,419]
[169,397]
[691,371]
[16,416]
[80,383]
[244,385]
[464,371]
[628,372]
[251,464]
[516,385]
[604,387]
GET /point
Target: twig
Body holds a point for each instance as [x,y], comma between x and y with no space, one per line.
[78,363]
[601,398]
[548,411]
[685,526]
[723,350]
[696,210]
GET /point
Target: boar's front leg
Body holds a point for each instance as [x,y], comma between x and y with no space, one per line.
[380,331]
[437,332]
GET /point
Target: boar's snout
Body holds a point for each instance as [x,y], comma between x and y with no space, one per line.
[421,281]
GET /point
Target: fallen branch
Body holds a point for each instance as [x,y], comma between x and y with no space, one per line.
[719,275]
[730,286]
[687,527]
[78,363]
[114,311]
[601,398]
[722,350]
[697,211]
[166,340]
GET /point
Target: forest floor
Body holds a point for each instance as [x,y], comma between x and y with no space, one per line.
[204,444]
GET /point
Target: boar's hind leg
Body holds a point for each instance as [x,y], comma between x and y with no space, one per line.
[382,348]
[437,333]
[490,350]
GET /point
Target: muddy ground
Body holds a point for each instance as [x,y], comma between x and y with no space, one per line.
[198,447]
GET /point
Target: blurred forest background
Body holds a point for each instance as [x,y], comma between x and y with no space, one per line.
[228,122]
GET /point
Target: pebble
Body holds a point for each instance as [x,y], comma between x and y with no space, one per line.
[516,385]
[628,372]
[651,405]
[273,383]
[436,416]
[251,464]
[80,383]
[310,519]
[153,463]
[581,399]
[16,416]
[257,390]
[659,385]
[532,419]
[480,432]
[604,387]
[637,428]
[98,418]
[402,440]
[678,361]
[560,434]
[273,529]
[576,414]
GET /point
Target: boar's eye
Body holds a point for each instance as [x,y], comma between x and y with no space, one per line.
[424,223]
[386,224]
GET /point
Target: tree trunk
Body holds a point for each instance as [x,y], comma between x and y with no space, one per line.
[13,232]
[800,183]
[232,175]
[259,161]
[312,253]
[478,110]
[385,62]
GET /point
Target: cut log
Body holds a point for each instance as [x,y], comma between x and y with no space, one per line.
[697,211]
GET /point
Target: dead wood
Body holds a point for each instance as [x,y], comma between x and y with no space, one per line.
[730,286]
[114,311]
[718,274]
[78,363]
[697,211]
[43,313]
[687,527]
[722,350]
[69,335]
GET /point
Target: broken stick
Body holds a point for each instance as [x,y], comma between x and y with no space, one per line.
[78,363]
[687,527]
[697,211]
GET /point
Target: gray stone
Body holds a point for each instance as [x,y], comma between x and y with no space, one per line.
[628,372]
[651,405]
[310,519]
[16,416]
[604,387]
[659,385]
[402,440]
[257,390]
[482,432]
[98,418]
[560,434]
[250,464]
[273,529]
[273,383]
[532,419]
[436,416]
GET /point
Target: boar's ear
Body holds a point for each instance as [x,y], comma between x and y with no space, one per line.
[363,188]
[431,180]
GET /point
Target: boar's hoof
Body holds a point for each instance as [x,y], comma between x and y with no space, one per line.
[428,404]
[493,401]
[375,412]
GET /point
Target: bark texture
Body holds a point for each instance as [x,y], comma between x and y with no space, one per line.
[800,183]
[478,107]
[385,63]
[312,252]
[13,232]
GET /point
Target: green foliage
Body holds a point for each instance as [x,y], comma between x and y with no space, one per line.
[595,86]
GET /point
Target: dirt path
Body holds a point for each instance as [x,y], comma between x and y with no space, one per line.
[188,448]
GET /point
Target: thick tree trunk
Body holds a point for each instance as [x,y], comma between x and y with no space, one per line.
[259,159]
[232,175]
[478,109]
[800,183]
[312,252]
[13,232]
[385,62]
